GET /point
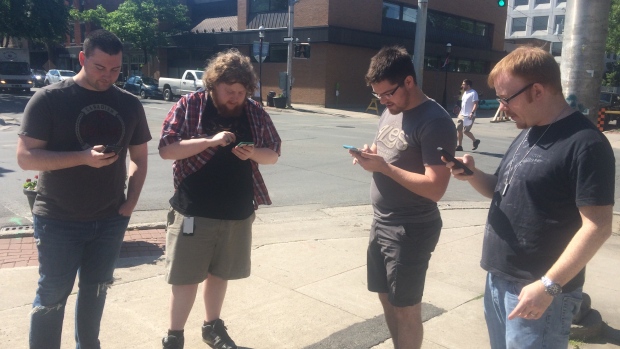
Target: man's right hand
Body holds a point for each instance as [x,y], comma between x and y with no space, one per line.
[95,157]
[459,173]
[224,138]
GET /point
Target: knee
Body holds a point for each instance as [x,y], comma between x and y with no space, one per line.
[98,288]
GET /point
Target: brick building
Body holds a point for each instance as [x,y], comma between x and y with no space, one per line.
[343,36]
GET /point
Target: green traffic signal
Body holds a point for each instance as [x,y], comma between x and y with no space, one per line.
[501,3]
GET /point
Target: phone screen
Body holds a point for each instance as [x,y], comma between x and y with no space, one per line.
[112,149]
[245,144]
[352,148]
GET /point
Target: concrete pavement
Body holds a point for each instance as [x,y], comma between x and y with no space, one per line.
[308,288]
[308,285]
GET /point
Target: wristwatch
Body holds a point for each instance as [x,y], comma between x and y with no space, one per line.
[553,289]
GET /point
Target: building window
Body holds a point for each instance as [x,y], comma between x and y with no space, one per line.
[539,2]
[558,28]
[467,26]
[259,6]
[518,24]
[560,1]
[540,23]
[391,10]
[481,29]
[464,66]
[556,49]
[410,14]
[521,2]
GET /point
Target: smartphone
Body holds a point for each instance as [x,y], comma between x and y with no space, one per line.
[245,144]
[457,163]
[112,149]
[351,148]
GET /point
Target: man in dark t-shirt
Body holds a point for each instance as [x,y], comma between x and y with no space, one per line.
[551,210]
[77,133]
[408,178]
[217,138]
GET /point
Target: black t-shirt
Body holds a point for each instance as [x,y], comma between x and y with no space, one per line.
[572,165]
[223,187]
[409,140]
[71,118]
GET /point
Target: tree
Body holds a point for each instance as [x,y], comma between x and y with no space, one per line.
[144,23]
[613,37]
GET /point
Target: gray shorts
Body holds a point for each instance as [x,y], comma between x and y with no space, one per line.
[398,257]
[460,127]
[218,247]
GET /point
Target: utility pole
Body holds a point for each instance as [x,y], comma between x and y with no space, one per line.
[420,41]
[289,59]
[585,33]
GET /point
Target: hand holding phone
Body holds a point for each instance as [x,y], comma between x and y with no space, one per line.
[457,163]
[352,148]
[112,149]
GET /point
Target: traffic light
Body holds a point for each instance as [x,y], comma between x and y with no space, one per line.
[501,3]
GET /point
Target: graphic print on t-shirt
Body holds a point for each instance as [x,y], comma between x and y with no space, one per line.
[99,124]
[394,141]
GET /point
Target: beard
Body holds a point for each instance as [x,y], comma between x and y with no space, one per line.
[226,109]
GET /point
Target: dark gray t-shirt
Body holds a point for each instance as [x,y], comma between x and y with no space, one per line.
[409,140]
[71,118]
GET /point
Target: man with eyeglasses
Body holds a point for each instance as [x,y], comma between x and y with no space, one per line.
[551,210]
[469,105]
[408,178]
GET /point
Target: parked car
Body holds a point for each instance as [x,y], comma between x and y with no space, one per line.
[190,82]
[57,75]
[144,86]
[38,76]
[609,100]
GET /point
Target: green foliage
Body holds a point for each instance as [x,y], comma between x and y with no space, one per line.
[613,37]
[612,77]
[144,23]
[37,20]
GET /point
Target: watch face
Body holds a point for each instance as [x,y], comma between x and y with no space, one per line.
[553,289]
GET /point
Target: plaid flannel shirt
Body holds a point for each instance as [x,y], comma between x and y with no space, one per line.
[184,121]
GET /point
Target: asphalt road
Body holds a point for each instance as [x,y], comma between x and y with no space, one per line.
[314,169]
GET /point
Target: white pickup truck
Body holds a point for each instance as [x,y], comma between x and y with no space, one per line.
[190,82]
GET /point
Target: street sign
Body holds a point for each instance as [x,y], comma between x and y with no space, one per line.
[287,39]
[256,48]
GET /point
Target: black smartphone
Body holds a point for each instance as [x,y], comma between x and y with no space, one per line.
[112,149]
[457,163]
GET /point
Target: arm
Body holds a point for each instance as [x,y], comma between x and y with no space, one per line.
[473,110]
[32,155]
[189,147]
[594,231]
[136,174]
[432,184]
[484,183]
[262,156]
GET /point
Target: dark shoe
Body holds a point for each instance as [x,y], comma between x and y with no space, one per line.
[215,335]
[476,143]
[459,148]
[172,342]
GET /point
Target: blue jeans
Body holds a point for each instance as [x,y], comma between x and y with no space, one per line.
[550,331]
[65,249]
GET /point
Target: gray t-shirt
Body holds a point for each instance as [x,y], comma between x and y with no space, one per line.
[409,140]
[71,118]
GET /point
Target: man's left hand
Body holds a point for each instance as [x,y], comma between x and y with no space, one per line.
[370,162]
[126,209]
[533,301]
[243,153]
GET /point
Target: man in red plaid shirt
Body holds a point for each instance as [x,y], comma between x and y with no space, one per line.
[217,138]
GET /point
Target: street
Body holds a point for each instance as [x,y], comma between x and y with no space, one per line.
[314,169]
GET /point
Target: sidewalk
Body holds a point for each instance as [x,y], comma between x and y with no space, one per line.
[307,288]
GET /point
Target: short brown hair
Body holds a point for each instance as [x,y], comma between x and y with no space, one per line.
[532,64]
[230,67]
[392,63]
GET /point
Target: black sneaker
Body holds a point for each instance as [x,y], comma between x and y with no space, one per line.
[215,335]
[459,148]
[476,143]
[172,342]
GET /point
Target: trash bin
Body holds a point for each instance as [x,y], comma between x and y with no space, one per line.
[270,96]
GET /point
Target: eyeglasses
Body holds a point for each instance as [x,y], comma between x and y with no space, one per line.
[505,101]
[387,95]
